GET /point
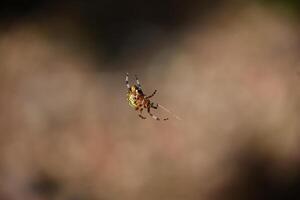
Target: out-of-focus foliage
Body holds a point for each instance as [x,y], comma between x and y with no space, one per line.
[291,6]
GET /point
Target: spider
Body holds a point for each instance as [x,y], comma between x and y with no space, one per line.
[138,100]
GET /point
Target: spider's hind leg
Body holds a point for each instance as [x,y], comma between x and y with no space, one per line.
[138,82]
[126,81]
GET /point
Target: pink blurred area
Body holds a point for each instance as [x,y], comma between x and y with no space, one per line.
[67,131]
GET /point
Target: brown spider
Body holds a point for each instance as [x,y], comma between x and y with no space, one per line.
[138,100]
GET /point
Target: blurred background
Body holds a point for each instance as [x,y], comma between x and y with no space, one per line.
[230,69]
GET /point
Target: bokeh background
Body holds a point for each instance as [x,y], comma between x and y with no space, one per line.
[230,69]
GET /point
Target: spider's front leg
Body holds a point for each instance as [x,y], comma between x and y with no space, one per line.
[153,116]
[148,97]
[140,115]
[154,106]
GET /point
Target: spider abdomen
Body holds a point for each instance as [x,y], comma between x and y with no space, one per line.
[138,100]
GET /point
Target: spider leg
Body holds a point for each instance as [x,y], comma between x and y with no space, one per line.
[140,115]
[155,117]
[148,97]
[126,81]
[138,82]
[154,106]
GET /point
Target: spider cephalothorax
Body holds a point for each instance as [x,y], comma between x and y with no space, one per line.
[138,100]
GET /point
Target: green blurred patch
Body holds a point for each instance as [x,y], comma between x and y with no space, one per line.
[290,7]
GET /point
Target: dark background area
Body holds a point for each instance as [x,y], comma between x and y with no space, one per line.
[109,24]
[116,26]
